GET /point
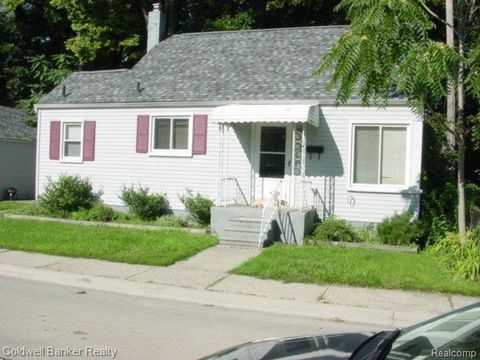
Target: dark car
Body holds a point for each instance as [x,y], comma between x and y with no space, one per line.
[455,335]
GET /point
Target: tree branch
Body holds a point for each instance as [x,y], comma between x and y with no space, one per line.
[430,11]
[473,9]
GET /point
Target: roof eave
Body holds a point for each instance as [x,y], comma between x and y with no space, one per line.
[163,104]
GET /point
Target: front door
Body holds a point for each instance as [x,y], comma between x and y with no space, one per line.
[274,161]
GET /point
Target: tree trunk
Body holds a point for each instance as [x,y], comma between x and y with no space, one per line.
[461,131]
[462,226]
[451,95]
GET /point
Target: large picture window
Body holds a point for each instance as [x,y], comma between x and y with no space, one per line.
[379,154]
[171,135]
[72,141]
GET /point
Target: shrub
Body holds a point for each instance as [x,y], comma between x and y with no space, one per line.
[198,207]
[438,229]
[99,212]
[461,261]
[143,204]
[398,230]
[122,217]
[170,220]
[333,229]
[67,194]
[368,234]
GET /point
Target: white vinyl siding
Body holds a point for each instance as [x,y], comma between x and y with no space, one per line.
[331,174]
[117,163]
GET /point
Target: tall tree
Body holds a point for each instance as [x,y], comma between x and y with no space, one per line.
[107,33]
[27,29]
[390,49]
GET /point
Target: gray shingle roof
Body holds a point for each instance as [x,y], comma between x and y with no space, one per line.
[13,126]
[271,64]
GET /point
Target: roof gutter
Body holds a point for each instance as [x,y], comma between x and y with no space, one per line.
[167,104]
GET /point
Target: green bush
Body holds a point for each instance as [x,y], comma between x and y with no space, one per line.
[438,229]
[122,217]
[67,194]
[461,261]
[399,230]
[333,229]
[368,234]
[170,220]
[99,212]
[143,204]
[198,207]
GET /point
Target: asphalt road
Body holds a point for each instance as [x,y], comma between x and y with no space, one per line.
[35,315]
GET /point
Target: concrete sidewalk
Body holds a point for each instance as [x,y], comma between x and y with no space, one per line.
[204,279]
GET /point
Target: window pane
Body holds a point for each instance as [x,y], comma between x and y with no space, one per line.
[162,134]
[273,139]
[73,132]
[72,149]
[272,165]
[366,155]
[180,134]
[393,155]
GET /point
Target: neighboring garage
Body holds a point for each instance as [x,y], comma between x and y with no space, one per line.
[17,154]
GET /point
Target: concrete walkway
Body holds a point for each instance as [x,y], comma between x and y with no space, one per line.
[204,278]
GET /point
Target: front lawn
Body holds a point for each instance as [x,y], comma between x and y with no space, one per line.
[17,206]
[150,247]
[358,267]
[34,209]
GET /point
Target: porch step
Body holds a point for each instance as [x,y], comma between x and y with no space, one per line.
[242,235]
[238,241]
[247,220]
[246,230]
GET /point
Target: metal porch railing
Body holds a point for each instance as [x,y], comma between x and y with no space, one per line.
[269,211]
[232,193]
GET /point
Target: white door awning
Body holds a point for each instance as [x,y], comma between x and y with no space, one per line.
[295,113]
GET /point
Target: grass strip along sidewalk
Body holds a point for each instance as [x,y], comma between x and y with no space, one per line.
[149,247]
[357,267]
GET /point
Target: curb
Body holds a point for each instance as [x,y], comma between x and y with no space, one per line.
[97,223]
[377,318]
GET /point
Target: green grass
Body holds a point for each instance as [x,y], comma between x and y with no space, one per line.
[150,247]
[34,209]
[16,206]
[358,267]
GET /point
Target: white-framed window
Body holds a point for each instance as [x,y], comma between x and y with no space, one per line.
[171,135]
[379,156]
[72,141]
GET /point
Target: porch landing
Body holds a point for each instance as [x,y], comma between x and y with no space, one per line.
[241,225]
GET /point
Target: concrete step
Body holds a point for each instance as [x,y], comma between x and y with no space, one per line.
[244,236]
[250,220]
[244,229]
[238,241]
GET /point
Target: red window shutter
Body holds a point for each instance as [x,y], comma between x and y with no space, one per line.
[200,134]
[89,140]
[142,133]
[55,140]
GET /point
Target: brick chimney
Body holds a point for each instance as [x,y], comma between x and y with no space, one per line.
[157,26]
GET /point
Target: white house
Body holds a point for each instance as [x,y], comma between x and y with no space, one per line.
[17,155]
[238,117]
